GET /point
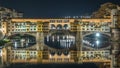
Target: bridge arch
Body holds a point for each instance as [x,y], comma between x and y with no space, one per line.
[97,42]
[59,39]
[21,33]
[22,40]
[86,34]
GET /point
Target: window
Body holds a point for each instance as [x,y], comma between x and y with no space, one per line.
[59,21]
[52,21]
[82,52]
[18,29]
[59,59]
[66,59]
[83,29]
[66,21]
[52,59]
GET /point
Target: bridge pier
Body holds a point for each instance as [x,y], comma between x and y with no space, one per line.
[39,40]
[115,46]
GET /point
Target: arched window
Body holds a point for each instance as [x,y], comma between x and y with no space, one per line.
[66,26]
[59,26]
[53,26]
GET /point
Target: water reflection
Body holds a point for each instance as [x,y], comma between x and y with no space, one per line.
[22,41]
[59,41]
[96,42]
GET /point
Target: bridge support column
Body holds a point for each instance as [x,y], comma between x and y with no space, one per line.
[39,40]
[79,43]
[115,46]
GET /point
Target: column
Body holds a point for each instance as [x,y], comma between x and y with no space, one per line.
[79,43]
[115,46]
[39,40]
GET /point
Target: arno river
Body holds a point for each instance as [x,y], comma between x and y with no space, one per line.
[86,65]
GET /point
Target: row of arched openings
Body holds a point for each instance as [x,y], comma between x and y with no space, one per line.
[59,26]
[59,53]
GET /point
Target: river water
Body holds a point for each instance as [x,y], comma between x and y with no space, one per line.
[86,65]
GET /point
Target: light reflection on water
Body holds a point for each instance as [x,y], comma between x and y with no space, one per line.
[59,41]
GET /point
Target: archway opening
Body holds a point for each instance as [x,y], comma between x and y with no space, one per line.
[22,40]
[59,27]
[66,26]
[53,26]
[96,40]
[59,40]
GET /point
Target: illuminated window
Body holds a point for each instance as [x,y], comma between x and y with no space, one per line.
[66,59]
[52,21]
[83,29]
[59,21]
[66,21]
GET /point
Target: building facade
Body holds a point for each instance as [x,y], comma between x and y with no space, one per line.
[6,14]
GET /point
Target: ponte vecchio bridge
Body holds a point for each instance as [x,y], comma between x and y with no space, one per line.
[62,41]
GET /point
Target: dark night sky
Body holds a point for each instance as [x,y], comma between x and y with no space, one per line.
[58,8]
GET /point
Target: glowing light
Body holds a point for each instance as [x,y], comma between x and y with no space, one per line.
[97,42]
[15,44]
[53,38]
[97,34]
[47,38]
[50,56]
[68,56]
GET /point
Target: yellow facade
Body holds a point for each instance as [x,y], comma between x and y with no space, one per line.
[39,56]
[39,25]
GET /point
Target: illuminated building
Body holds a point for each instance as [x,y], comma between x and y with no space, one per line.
[6,14]
[63,40]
